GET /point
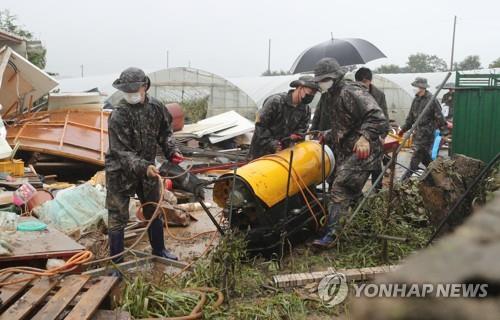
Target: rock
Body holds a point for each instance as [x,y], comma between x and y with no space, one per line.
[443,184]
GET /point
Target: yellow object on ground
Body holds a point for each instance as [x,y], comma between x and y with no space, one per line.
[58,186]
[268,176]
[12,167]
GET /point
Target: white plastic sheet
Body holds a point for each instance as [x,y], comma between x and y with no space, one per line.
[76,208]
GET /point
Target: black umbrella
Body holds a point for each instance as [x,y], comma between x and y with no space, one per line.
[346,51]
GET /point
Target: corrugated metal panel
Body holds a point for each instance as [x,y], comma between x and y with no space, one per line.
[476,120]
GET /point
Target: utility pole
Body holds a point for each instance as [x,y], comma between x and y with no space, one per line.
[453,43]
[269,59]
[81,70]
[167,59]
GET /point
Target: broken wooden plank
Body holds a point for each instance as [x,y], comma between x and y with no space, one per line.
[75,134]
[70,286]
[356,274]
[111,315]
[10,292]
[22,307]
[90,300]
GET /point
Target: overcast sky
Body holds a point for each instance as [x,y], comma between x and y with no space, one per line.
[230,37]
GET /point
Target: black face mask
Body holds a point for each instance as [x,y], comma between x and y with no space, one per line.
[308,98]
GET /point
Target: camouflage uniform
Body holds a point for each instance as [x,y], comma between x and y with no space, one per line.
[379,97]
[353,112]
[423,135]
[322,116]
[135,131]
[322,122]
[278,119]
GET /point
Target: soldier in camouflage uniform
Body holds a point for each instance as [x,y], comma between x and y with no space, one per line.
[357,126]
[283,118]
[423,135]
[365,76]
[136,127]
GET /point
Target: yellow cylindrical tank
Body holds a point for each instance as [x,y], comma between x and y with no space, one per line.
[268,176]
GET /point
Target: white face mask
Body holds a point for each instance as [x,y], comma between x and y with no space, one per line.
[325,85]
[133,98]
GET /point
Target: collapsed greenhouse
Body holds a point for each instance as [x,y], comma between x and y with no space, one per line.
[243,95]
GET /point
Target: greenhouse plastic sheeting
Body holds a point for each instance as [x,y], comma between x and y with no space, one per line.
[77,208]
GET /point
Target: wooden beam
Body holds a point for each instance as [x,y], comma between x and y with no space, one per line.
[357,274]
[61,141]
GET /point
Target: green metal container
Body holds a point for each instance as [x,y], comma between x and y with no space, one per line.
[476,115]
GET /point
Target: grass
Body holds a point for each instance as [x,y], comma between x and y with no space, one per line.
[245,282]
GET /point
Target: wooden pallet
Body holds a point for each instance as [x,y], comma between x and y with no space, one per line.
[72,297]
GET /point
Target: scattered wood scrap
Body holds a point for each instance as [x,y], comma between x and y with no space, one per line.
[300,279]
[72,297]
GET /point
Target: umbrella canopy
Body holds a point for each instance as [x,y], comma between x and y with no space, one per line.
[346,51]
[21,82]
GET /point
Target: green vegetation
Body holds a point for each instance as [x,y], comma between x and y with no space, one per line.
[245,282]
[8,22]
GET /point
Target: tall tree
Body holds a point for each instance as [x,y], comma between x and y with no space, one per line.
[268,73]
[389,68]
[469,63]
[421,62]
[8,22]
[495,64]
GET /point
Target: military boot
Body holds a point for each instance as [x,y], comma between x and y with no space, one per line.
[116,245]
[328,239]
[156,239]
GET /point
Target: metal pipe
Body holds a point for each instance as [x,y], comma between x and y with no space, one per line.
[288,184]
[323,174]
[405,167]
[453,43]
[207,211]
[230,218]
[385,255]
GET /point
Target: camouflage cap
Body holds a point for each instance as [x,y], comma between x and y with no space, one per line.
[327,68]
[131,79]
[420,83]
[304,81]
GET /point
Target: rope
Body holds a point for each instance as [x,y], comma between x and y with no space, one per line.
[76,260]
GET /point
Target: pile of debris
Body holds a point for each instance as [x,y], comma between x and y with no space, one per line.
[472,253]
